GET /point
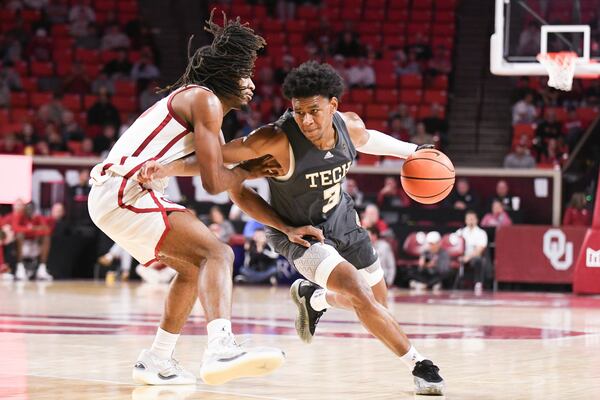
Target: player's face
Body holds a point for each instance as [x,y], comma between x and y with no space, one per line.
[247,90]
[314,115]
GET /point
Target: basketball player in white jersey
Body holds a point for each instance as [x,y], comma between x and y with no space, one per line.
[150,227]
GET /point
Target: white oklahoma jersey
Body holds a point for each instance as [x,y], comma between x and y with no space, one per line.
[132,214]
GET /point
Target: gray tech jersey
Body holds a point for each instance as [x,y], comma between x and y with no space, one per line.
[313,191]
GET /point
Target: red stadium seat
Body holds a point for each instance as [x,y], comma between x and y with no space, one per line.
[128,7]
[444,41]
[387,80]
[444,16]
[398,15]
[445,4]
[361,95]
[527,130]
[453,244]
[125,88]
[295,39]
[30,15]
[394,42]
[89,100]
[86,56]
[21,115]
[4,116]
[386,96]
[41,69]
[60,30]
[63,43]
[354,107]
[421,15]
[350,14]
[63,55]
[436,96]
[38,99]
[307,12]
[275,38]
[22,68]
[587,114]
[72,102]
[374,14]
[295,26]
[439,82]
[368,159]
[379,124]
[423,4]
[125,103]
[398,5]
[366,28]
[443,29]
[107,56]
[377,111]
[411,81]
[417,28]
[29,84]
[104,5]
[19,99]
[63,67]
[299,53]
[92,70]
[410,96]
[372,40]
[331,13]
[393,28]
[272,25]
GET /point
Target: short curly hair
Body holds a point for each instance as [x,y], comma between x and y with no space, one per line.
[313,79]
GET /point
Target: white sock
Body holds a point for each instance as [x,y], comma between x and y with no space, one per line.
[42,267]
[318,300]
[218,328]
[20,265]
[411,357]
[164,343]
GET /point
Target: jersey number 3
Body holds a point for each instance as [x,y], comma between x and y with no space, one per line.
[331,197]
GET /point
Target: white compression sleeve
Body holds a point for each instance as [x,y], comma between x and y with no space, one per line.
[382,144]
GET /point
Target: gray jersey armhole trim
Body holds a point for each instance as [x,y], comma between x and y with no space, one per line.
[292,167]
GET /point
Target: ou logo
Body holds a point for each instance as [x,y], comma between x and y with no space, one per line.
[555,247]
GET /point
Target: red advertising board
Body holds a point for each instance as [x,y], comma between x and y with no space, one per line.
[537,254]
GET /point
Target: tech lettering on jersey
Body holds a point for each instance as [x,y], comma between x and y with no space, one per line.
[328,177]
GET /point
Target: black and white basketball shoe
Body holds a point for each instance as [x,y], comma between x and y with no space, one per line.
[307,318]
[427,379]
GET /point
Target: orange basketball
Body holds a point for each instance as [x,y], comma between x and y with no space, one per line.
[427,176]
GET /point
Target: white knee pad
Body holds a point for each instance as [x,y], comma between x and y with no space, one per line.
[317,262]
[373,274]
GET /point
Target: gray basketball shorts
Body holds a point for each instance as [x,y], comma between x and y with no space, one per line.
[344,237]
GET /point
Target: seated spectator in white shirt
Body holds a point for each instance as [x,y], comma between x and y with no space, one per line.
[361,74]
[524,111]
[476,241]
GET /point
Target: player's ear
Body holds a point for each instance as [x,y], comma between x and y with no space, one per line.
[333,104]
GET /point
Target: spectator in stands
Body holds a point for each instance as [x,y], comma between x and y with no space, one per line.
[554,153]
[440,64]
[434,265]
[392,195]
[286,67]
[371,218]
[411,66]
[30,230]
[4,93]
[80,16]
[497,217]
[42,149]
[58,11]
[524,111]
[577,213]
[118,68]
[52,111]
[90,40]
[149,96]
[28,136]
[436,124]
[529,40]
[117,253]
[78,196]
[385,255]
[226,228]
[40,46]
[348,44]
[476,241]
[260,261]
[548,128]
[103,112]
[572,129]
[10,77]
[397,129]
[105,141]
[55,141]
[20,31]
[77,82]
[509,202]
[103,81]
[113,38]
[339,64]
[87,148]
[361,74]
[592,94]
[11,145]
[351,188]
[519,158]
[419,47]
[421,136]
[144,71]
[462,197]
[70,129]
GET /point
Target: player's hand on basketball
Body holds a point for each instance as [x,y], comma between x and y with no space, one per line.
[425,146]
[297,234]
[263,166]
[151,170]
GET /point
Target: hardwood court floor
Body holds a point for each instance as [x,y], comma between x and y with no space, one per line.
[78,340]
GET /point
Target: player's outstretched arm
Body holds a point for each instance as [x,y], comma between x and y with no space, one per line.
[257,208]
[371,141]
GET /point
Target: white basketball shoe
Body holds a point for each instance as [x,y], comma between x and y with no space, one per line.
[227,360]
[152,370]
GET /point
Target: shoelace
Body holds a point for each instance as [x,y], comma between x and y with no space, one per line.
[170,367]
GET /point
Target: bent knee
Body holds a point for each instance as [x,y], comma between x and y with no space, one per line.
[221,252]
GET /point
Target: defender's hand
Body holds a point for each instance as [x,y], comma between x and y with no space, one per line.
[151,170]
[262,166]
[295,235]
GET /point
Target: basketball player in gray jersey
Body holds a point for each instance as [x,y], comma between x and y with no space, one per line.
[315,146]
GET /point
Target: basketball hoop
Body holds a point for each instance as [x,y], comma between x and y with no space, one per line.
[561,68]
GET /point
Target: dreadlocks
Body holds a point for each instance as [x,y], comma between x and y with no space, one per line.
[229,58]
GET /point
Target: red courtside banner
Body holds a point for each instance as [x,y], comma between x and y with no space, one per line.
[587,269]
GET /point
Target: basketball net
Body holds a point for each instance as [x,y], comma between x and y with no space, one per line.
[561,68]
